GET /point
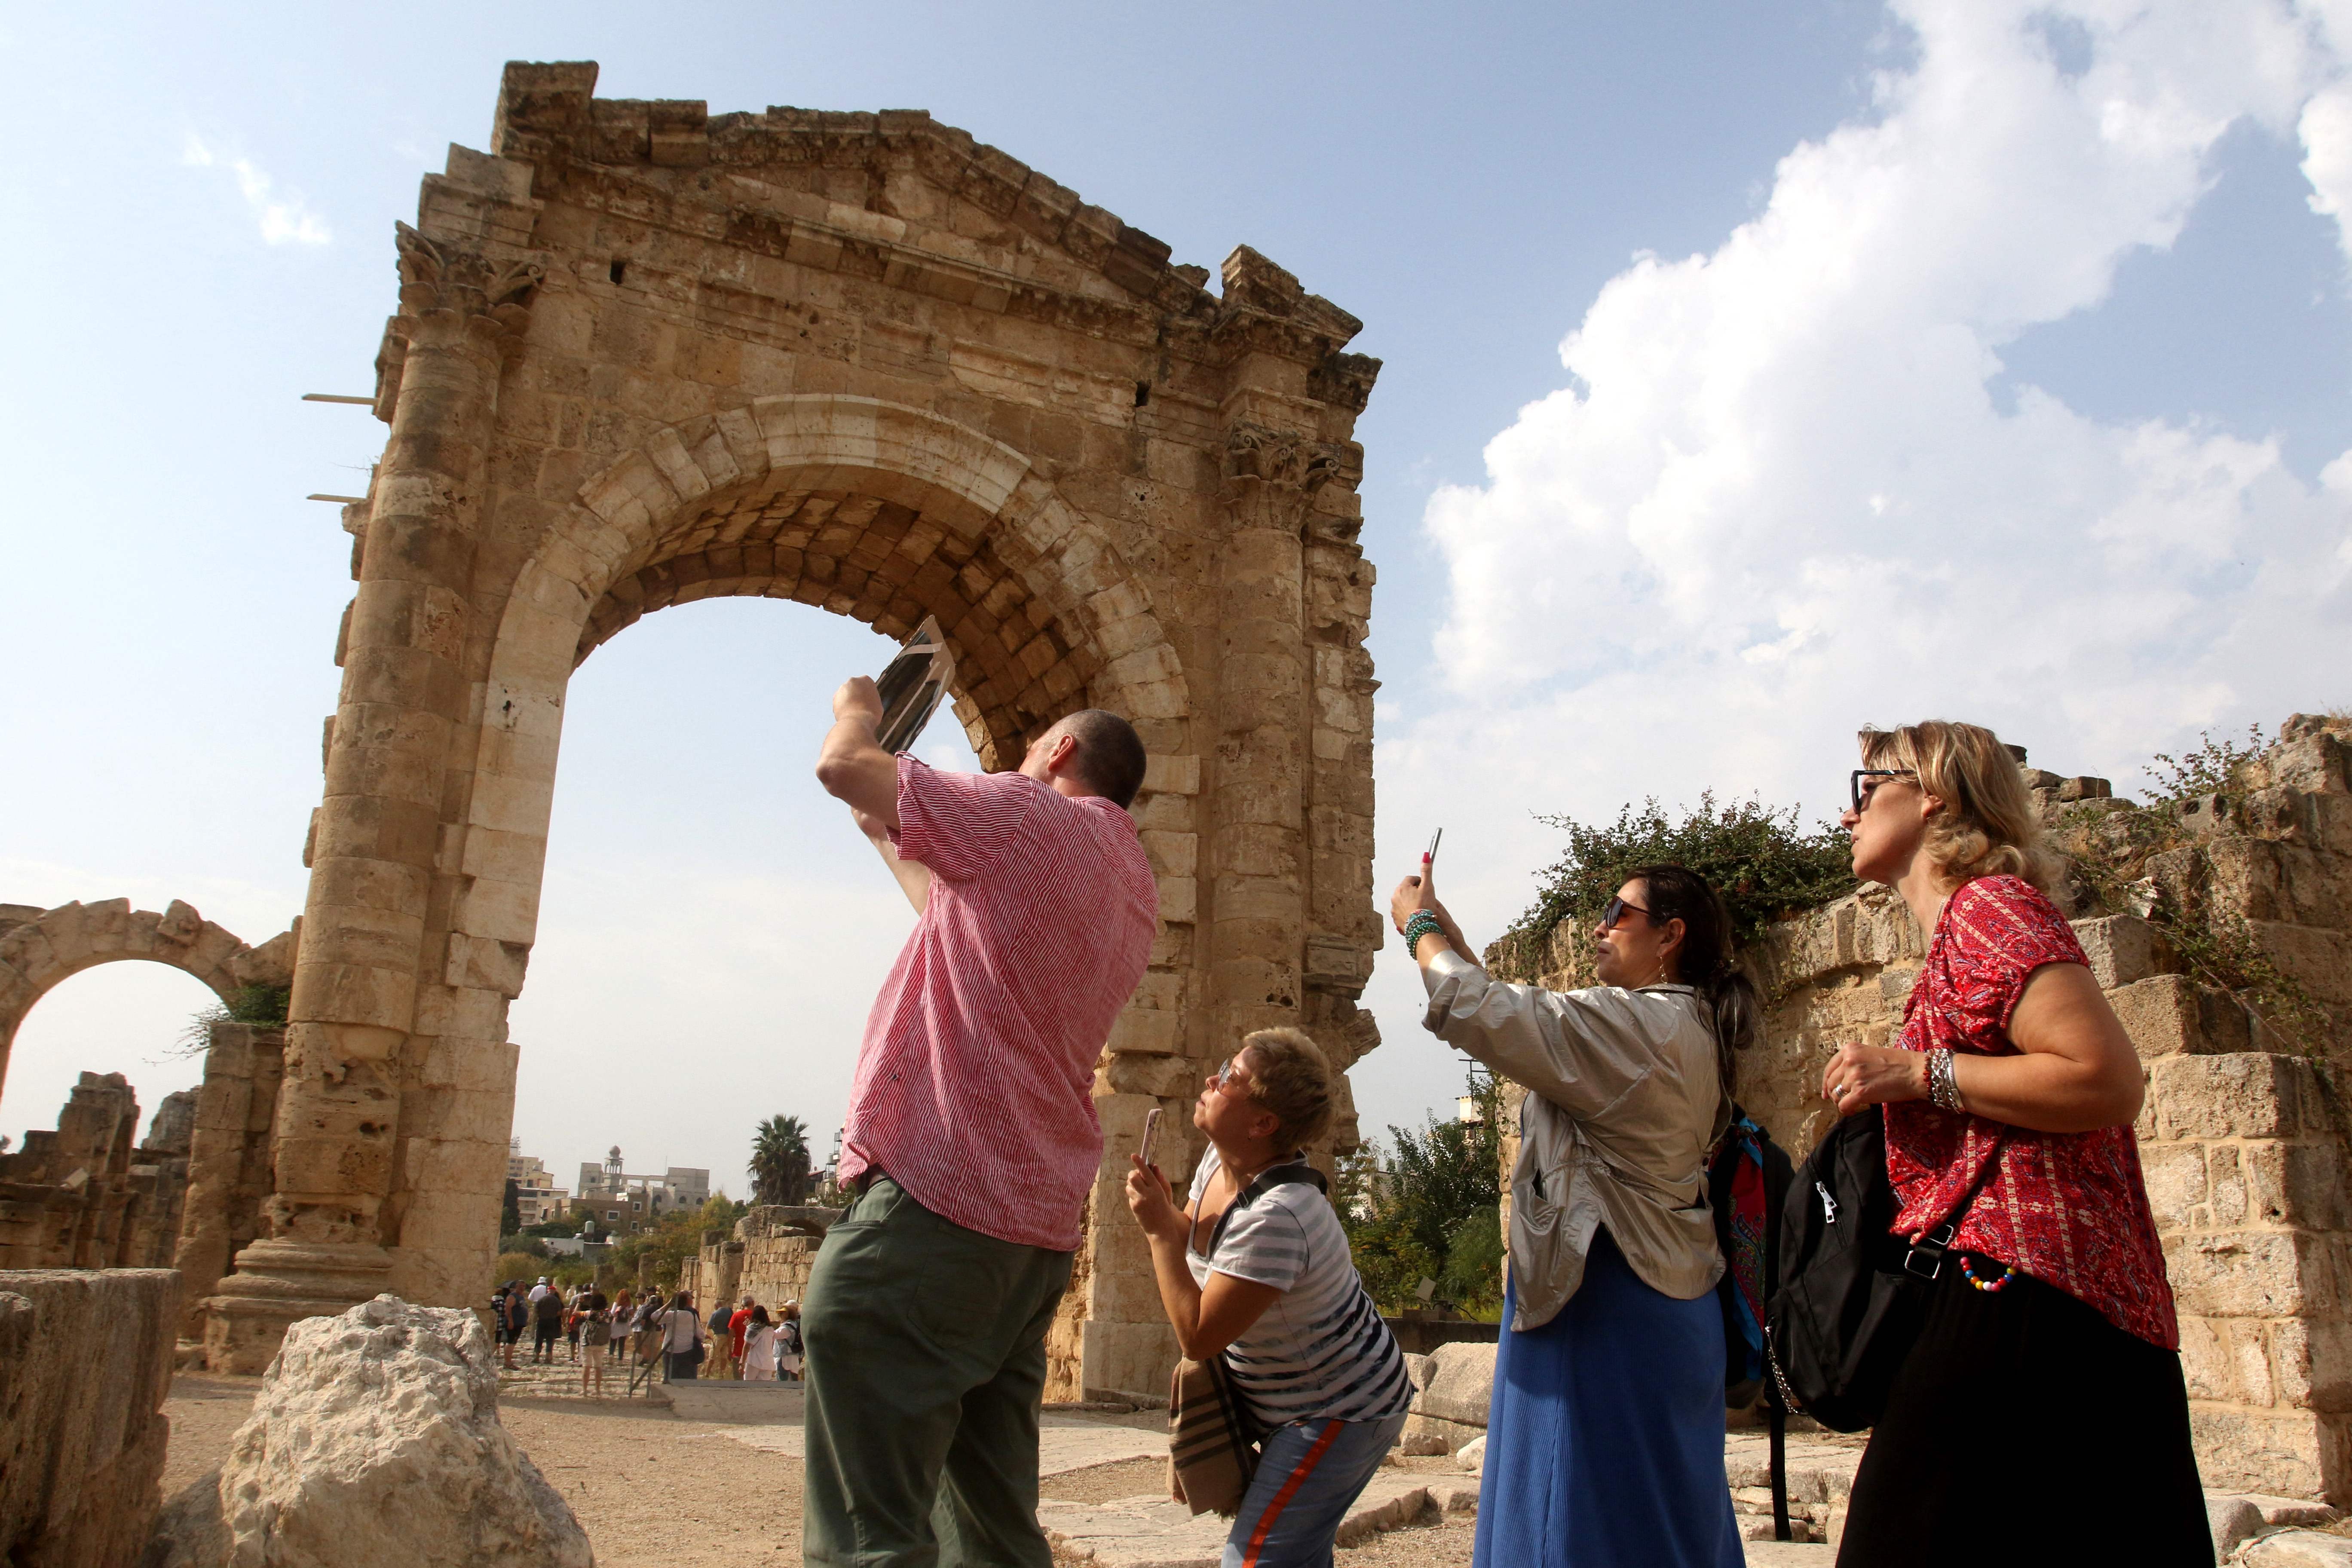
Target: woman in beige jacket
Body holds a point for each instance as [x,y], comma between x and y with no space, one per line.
[1604,1442]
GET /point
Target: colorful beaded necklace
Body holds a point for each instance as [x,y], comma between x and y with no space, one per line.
[2008,1276]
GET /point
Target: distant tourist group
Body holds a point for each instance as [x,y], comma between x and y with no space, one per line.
[743,1342]
[2035,1410]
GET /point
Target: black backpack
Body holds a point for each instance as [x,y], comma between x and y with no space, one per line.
[1853,1294]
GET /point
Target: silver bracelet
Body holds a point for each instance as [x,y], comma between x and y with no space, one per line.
[1943,1091]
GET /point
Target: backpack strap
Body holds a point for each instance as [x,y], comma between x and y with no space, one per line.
[1926,1256]
[1776,1418]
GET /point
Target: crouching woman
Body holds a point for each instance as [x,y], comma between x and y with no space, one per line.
[1275,1292]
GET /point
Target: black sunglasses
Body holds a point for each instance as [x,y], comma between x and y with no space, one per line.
[1860,793]
[1616,910]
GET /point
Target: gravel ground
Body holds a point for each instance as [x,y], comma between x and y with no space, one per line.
[656,1492]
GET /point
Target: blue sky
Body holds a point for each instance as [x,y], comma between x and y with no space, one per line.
[1750,372]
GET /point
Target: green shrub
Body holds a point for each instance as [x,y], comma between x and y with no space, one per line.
[1405,1215]
[520,1266]
[264,1006]
[1764,865]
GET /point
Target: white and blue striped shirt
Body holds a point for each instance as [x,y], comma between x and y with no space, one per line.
[1320,1349]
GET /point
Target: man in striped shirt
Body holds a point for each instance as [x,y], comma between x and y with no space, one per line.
[971,1140]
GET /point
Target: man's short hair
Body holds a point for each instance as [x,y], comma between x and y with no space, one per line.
[1110,754]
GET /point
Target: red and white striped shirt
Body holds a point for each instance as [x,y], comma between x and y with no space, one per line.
[975,1083]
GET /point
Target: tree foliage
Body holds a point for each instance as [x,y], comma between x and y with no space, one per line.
[780,1162]
[1765,865]
[672,1242]
[1426,1210]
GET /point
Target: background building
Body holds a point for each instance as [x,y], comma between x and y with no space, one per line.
[538,1199]
[620,1203]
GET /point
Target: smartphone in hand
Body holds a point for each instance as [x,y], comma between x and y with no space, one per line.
[1429,856]
[1150,1132]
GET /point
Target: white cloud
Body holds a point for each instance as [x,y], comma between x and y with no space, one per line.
[285,219]
[1780,496]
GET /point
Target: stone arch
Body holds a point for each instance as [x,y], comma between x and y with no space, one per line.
[51,946]
[869,508]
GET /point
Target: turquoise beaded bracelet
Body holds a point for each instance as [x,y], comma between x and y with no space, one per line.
[1422,924]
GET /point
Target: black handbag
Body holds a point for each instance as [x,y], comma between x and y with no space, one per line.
[1853,1294]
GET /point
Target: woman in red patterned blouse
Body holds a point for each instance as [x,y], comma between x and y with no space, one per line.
[2047,1372]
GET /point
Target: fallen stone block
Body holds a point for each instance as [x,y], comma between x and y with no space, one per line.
[1461,1384]
[1472,1455]
[2299,1549]
[374,1442]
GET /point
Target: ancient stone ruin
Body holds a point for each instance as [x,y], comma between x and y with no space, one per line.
[644,354]
[82,1196]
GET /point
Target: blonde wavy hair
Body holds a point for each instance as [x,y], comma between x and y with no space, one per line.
[1291,1077]
[1988,826]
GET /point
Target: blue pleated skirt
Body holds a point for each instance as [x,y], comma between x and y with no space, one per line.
[1604,1439]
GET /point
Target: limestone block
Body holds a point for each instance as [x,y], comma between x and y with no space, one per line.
[2124,950]
[1162,1078]
[2233,1519]
[2166,1014]
[1472,1455]
[1461,1384]
[2316,762]
[85,1363]
[2311,1364]
[2316,821]
[2257,1273]
[2298,1549]
[2299,1183]
[2296,1452]
[2175,1177]
[2246,1095]
[386,1413]
[2317,959]
[1139,1031]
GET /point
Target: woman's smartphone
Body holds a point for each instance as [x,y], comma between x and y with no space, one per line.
[1150,1132]
[1431,857]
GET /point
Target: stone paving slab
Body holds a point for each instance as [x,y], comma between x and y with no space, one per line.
[1065,1443]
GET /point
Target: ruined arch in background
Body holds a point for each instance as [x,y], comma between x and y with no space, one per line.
[645,354]
[39,950]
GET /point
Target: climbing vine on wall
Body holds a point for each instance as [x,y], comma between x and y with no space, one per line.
[2141,857]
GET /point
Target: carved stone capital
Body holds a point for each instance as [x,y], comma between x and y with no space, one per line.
[1280,469]
[491,299]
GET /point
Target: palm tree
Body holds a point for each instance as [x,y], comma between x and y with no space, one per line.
[780,1162]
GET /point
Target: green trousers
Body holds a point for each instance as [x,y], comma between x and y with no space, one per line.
[926,1347]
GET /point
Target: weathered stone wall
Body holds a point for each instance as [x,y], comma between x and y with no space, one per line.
[2244,1147]
[229,1149]
[85,1363]
[768,1258]
[646,354]
[73,1198]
